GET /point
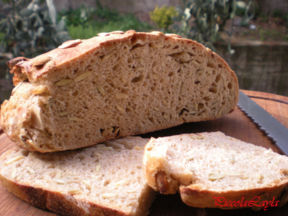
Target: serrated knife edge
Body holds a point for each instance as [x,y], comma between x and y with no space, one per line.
[267,123]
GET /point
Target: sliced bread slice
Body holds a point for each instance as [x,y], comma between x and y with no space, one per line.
[208,168]
[103,180]
[114,85]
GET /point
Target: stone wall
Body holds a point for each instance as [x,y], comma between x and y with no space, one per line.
[260,66]
[268,6]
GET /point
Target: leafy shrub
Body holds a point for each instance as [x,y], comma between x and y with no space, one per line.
[79,16]
[163,17]
[202,20]
[30,28]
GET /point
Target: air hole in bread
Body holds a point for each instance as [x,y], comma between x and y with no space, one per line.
[25,153]
[106,182]
[213,89]
[75,93]
[211,65]
[137,79]
[229,85]
[284,172]
[170,74]
[200,106]
[102,131]
[183,111]
[217,78]
[115,67]
[190,54]
[39,67]
[116,130]
[206,98]
[51,166]
[176,55]
[151,119]
[197,82]
[137,46]
[81,157]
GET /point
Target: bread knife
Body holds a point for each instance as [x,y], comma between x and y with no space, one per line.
[267,123]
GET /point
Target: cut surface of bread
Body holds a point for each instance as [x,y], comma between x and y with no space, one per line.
[103,180]
[205,167]
[114,85]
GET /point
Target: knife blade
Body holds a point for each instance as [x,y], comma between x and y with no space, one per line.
[272,127]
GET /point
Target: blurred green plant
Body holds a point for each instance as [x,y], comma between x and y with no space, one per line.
[92,28]
[86,22]
[79,16]
[271,34]
[163,16]
[203,20]
[30,28]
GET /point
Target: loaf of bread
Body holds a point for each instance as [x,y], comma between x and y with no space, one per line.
[114,85]
[212,170]
[103,180]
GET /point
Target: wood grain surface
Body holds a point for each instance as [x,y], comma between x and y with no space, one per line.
[235,124]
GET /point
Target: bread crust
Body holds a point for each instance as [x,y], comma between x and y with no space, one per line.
[47,68]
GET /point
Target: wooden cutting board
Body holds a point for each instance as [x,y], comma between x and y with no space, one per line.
[235,124]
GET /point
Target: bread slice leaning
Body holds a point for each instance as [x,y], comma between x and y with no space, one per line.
[103,180]
[210,168]
[114,85]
